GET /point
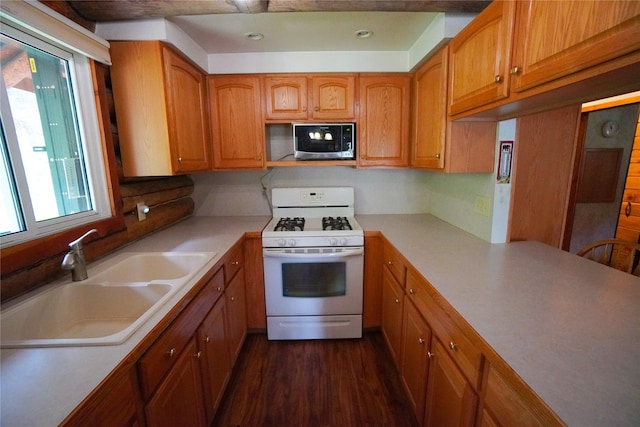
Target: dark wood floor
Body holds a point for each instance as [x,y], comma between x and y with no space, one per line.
[315,383]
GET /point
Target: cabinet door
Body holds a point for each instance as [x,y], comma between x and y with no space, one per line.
[555,39]
[430,112]
[187,110]
[392,302]
[179,400]
[415,362]
[237,314]
[383,120]
[479,59]
[285,97]
[333,97]
[216,366]
[451,400]
[236,118]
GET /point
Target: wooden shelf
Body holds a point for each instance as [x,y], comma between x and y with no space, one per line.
[286,163]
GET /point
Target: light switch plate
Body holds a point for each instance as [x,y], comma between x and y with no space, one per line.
[483,205]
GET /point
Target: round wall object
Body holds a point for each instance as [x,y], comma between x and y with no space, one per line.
[610,128]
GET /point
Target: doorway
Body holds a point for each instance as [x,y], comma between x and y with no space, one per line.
[602,161]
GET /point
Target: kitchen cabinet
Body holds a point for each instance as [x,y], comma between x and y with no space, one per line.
[215,359]
[318,97]
[238,135]
[179,399]
[285,97]
[555,39]
[416,341]
[451,400]
[161,108]
[235,295]
[392,302]
[437,142]
[383,120]
[479,58]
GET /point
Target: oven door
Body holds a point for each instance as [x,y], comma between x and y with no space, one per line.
[313,281]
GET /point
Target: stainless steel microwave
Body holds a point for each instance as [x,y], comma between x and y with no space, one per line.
[324,141]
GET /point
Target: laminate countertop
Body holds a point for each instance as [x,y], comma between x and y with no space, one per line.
[568,326]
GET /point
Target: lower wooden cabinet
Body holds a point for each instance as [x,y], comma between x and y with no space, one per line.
[451,400]
[415,358]
[392,301]
[179,400]
[215,361]
[236,315]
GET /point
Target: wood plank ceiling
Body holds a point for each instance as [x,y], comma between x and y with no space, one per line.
[114,10]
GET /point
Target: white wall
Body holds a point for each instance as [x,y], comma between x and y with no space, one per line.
[378,191]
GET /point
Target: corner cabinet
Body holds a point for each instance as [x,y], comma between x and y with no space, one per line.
[238,135]
[161,109]
[383,120]
[437,142]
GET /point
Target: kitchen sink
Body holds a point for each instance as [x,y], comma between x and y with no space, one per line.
[107,308]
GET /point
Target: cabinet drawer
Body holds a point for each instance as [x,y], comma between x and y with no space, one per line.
[395,262]
[466,355]
[233,264]
[161,356]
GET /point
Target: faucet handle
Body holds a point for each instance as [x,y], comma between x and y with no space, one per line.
[77,244]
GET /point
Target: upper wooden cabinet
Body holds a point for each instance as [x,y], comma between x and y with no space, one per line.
[438,143]
[285,97]
[383,120]
[480,58]
[532,55]
[237,124]
[309,97]
[161,109]
[555,39]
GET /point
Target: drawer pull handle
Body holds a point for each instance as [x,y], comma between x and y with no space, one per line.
[627,210]
[430,354]
[452,345]
[420,341]
[171,352]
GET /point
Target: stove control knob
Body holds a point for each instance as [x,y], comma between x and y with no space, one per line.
[343,241]
[292,242]
[333,241]
[282,242]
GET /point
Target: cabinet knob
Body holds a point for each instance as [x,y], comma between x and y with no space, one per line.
[515,70]
[317,108]
[452,345]
[430,354]
[498,79]
[207,339]
[363,157]
[397,301]
[420,341]
[219,289]
[198,354]
[437,155]
[235,262]
[232,299]
[259,158]
[171,352]
[389,262]
[411,291]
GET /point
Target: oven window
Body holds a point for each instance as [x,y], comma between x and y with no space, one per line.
[314,280]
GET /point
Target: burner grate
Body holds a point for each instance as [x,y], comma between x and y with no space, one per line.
[337,223]
[290,224]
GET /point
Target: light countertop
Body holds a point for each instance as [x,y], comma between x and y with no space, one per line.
[568,326]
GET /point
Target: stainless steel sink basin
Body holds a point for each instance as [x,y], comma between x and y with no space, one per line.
[106,309]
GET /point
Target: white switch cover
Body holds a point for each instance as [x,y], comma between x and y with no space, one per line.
[483,205]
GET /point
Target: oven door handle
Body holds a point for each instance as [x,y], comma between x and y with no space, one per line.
[278,253]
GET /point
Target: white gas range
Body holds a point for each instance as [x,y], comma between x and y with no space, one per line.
[313,252]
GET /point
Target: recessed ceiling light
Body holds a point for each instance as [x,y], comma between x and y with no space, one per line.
[363,34]
[254,36]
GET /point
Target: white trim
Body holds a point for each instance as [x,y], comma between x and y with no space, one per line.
[39,20]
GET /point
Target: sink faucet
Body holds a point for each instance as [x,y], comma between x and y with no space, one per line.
[74,259]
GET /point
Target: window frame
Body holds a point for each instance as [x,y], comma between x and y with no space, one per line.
[91,139]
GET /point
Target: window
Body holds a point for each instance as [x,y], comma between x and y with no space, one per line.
[52,175]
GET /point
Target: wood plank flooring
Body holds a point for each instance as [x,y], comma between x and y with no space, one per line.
[315,383]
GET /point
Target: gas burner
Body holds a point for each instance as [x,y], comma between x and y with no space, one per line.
[290,224]
[337,223]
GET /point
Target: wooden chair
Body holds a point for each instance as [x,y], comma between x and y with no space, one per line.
[616,253]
